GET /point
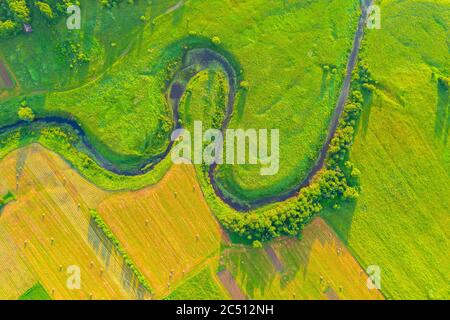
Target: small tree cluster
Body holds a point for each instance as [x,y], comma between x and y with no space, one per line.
[15,13]
[74,53]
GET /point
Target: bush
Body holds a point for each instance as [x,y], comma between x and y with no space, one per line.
[257,244]
[7,28]
[244,84]
[26,114]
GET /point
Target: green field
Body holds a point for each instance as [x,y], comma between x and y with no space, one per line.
[202,286]
[390,209]
[36,292]
[401,221]
[303,98]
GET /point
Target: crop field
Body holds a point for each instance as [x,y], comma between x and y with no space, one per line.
[347,102]
[316,267]
[145,221]
[401,221]
[183,261]
[46,230]
[204,285]
[168,229]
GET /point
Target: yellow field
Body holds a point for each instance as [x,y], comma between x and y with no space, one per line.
[165,229]
[47,230]
[316,267]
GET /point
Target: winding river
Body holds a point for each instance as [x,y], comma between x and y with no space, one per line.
[194,62]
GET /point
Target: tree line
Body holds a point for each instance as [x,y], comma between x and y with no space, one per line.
[336,182]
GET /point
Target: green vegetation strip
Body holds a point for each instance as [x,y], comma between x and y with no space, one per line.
[126,259]
[201,286]
[36,292]
[7,198]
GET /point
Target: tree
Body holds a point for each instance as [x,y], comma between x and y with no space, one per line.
[7,27]
[244,84]
[20,10]
[45,9]
[26,114]
[257,244]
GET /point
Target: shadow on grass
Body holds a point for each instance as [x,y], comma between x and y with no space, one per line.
[341,219]
[442,121]
[178,16]
[366,110]
[113,261]
[257,271]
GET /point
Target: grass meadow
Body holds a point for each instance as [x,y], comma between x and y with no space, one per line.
[401,221]
[126,127]
[318,266]
[36,292]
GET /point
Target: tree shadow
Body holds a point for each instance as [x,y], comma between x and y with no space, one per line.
[105,249]
[442,121]
[20,165]
[102,246]
[341,219]
[366,110]
[251,268]
[241,101]
[323,84]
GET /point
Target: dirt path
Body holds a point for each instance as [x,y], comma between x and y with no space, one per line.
[7,81]
[230,284]
[274,258]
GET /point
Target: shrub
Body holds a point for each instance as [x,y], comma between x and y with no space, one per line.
[7,28]
[257,244]
[45,9]
[26,114]
[244,84]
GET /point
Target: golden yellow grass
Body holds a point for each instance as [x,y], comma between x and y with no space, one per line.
[166,228]
[316,267]
[46,231]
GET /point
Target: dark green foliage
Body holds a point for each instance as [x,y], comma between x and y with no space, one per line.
[73,52]
[36,292]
